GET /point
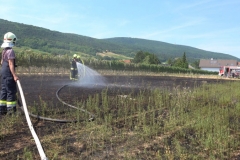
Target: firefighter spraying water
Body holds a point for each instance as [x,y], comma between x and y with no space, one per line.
[73,70]
[83,75]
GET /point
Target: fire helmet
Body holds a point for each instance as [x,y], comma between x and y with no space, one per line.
[75,56]
[10,37]
[9,40]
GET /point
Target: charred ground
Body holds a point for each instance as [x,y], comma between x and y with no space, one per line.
[41,90]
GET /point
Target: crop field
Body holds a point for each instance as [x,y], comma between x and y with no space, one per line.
[129,116]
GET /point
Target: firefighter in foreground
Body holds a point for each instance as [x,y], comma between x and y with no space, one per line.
[9,77]
[73,73]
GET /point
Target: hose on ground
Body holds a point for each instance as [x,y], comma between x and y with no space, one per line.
[92,116]
[36,139]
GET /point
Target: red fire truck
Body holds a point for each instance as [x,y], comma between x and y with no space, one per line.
[229,71]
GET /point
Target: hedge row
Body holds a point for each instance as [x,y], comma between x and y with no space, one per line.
[47,60]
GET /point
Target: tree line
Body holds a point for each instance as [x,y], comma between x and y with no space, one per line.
[29,58]
[149,58]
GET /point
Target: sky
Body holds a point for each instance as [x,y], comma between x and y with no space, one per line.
[212,25]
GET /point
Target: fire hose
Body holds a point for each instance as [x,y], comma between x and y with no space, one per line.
[92,116]
[27,115]
[37,141]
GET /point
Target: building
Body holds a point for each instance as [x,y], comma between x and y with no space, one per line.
[215,64]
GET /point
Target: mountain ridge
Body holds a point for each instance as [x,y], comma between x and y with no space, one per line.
[56,42]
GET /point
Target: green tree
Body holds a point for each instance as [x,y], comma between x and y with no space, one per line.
[177,63]
[170,61]
[154,59]
[146,58]
[195,64]
[181,62]
[139,57]
[184,61]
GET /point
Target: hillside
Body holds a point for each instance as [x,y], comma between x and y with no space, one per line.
[55,42]
[166,50]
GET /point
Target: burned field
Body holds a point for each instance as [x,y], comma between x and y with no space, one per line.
[44,87]
[133,118]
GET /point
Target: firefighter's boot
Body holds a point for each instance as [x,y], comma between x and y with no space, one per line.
[3,110]
[11,110]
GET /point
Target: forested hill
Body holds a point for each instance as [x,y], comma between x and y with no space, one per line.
[53,41]
[167,50]
[63,43]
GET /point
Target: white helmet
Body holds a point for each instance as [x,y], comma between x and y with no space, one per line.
[9,40]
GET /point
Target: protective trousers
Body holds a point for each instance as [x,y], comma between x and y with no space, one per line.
[73,74]
[8,91]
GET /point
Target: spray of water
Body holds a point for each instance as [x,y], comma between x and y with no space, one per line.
[87,77]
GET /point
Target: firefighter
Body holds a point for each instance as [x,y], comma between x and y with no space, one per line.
[73,67]
[79,61]
[9,77]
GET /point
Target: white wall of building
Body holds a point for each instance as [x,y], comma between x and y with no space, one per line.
[211,69]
